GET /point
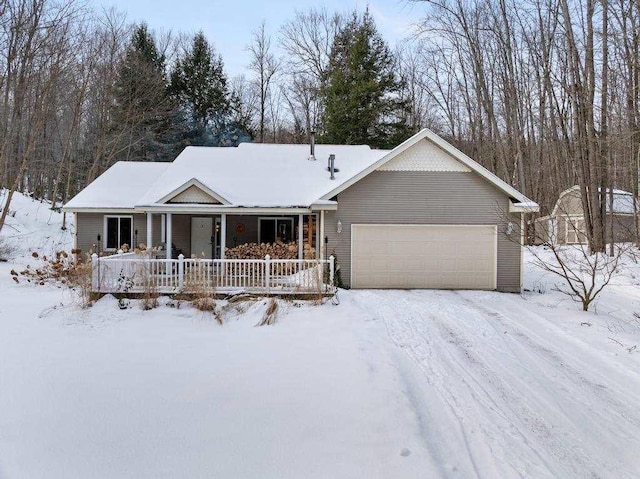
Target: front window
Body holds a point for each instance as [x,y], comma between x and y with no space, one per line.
[273,230]
[118,231]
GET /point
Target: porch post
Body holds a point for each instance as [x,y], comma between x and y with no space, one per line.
[180,271]
[169,234]
[75,233]
[223,234]
[300,237]
[149,230]
[317,234]
[321,234]
[95,273]
[332,270]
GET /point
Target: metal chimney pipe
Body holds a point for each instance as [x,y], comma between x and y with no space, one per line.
[313,146]
[332,159]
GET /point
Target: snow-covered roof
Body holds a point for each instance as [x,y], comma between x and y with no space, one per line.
[622,200]
[120,186]
[263,175]
[252,176]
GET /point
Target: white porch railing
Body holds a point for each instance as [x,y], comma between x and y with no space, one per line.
[125,273]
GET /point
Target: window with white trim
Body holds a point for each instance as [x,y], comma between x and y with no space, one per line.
[118,230]
[271,230]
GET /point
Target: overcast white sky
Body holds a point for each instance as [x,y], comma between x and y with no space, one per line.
[229,24]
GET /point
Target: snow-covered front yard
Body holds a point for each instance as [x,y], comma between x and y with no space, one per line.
[393,384]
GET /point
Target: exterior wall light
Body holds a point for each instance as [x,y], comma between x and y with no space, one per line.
[339,227]
[510,229]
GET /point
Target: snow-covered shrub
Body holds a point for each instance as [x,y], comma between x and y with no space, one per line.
[583,274]
[61,268]
[199,290]
[7,251]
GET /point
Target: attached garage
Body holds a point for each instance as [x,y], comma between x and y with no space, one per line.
[424,256]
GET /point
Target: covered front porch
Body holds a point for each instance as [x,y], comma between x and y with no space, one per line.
[135,273]
[264,252]
[211,235]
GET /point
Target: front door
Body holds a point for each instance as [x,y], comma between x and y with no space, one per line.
[202,240]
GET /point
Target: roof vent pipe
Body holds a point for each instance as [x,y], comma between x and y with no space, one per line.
[312,140]
[332,169]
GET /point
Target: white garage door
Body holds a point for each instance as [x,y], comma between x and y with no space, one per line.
[424,256]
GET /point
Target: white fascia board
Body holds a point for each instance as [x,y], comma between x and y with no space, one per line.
[326,206]
[96,209]
[218,209]
[524,207]
[448,148]
[193,182]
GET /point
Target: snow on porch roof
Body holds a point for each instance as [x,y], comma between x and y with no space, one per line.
[119,187]
[262,175]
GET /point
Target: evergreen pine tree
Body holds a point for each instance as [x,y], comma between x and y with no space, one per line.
[144,116]
[361,91]
[200,85]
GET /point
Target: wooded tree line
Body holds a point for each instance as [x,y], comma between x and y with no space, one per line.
[545,93]
[81,90]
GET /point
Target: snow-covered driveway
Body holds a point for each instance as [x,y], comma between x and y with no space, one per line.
[410,384]
[504,388]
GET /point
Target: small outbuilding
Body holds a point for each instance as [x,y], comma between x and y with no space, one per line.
[566,223]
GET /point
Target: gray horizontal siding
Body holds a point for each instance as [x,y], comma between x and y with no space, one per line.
[181,233]
[250,234]
[90,225]
[411,197]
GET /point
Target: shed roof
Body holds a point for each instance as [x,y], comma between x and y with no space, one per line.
[622,201]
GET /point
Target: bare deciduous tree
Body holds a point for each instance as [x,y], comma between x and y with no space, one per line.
[39,37]
[307,40]
[265,65]
[543,93]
